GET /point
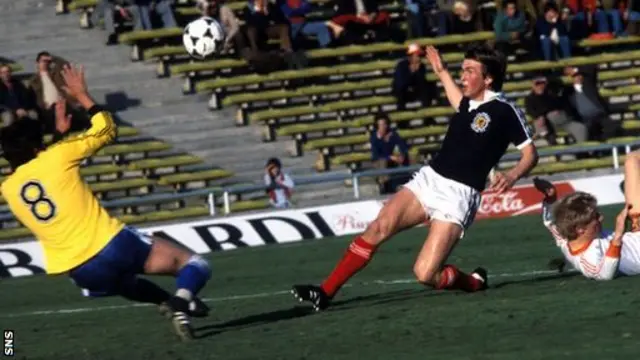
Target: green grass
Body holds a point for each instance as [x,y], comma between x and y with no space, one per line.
[523,316]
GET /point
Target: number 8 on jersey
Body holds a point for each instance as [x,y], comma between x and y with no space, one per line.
[34,196]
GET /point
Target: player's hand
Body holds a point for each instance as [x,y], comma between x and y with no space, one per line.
[433,56]
[63,120]
[502,182]
[621,223]
[558,264]
[74,83]
[546,188]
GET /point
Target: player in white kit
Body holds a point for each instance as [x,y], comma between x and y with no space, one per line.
[576,226]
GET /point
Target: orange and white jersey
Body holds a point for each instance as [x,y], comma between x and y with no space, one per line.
[599,259]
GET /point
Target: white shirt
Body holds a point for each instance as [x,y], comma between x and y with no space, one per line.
[279,197]
[599,259]
[49,90]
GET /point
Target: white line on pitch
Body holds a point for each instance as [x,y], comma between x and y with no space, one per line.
[248,296]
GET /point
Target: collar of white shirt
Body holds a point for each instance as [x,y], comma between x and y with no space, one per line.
[578,87]
[488,96]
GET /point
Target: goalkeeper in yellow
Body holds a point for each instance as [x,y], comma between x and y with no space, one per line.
[101,254]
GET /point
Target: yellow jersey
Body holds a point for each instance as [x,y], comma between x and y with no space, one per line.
[49,196]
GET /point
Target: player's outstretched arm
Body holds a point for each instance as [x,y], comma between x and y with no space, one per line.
[103,128]
[503,181]
[454,94]
[609,265]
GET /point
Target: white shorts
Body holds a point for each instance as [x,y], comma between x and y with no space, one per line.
[445,199]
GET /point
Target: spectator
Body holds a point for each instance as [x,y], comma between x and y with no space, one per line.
[362,15]
[465,19]
[444,16]
[410,82]
[264,18]
[632,16]
[595,19]
[388,150]
[418,16]
[16,101]
[547,111]
[588,104]
[109,10]
[553,33]
[141,10]
[47,82]
[295,11]
[279,184]
[225,16]
[46,85]
[510,27]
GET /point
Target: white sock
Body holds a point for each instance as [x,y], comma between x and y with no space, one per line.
[185,294]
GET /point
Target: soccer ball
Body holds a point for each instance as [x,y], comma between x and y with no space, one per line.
[203,37]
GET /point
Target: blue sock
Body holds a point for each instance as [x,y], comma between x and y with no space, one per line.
[194,275]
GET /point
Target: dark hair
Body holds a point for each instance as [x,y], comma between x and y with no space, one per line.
[21,141]
[493,62]
[550,6]
[381,116]
[41,54]
[274,161]
[508,2]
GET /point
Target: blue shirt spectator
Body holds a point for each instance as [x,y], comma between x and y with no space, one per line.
[510,23]
[387,145]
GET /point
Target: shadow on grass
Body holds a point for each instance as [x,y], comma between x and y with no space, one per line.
[352,303]
[534,280]
[305,310]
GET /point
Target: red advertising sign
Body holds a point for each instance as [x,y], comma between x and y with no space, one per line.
[517,201]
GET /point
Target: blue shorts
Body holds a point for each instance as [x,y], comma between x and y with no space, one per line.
[121,260]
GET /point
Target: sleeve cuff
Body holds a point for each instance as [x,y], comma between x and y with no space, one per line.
[524,144]
[614,251]
[94,110]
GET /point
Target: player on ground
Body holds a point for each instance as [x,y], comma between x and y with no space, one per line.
[103,256]
[447,192]
[576,225]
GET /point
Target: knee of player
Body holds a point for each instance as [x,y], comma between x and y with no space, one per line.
[379,229]
[423,275]
[199,263]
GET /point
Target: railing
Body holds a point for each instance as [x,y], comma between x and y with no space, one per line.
[226,192]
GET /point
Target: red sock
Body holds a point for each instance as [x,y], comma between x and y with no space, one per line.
[452,278]
[356,258]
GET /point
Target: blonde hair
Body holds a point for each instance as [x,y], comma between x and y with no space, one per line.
[573,212]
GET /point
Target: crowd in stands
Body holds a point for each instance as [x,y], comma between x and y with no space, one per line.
[138,12]
[527,29]
[546,28]
[35,99]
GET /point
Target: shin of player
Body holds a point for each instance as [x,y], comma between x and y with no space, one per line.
[447,192]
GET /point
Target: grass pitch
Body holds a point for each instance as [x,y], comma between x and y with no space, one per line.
[529,312]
